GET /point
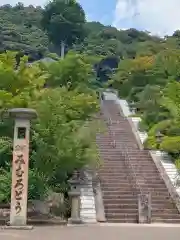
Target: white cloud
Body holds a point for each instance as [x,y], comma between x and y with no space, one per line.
[160,17]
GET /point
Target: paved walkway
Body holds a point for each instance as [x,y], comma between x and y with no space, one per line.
[116,232]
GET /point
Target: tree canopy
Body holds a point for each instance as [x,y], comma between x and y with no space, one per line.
[64,22]
[62,138]
[151,86]
[20,31]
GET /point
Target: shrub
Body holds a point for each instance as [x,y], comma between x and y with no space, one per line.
[36,190]
[37,185]
[171,144]
[161,126]
[5,152]
[150,143]
[174,130]
[5,186]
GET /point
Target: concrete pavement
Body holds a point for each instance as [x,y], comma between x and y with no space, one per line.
[96,232]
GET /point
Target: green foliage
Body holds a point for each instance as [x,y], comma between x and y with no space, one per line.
[161,126]
[5,186]
[171,144]
[151,83]
[18,87]
[150,143]
[108,41]
[21,15]
[37,185]
[177,162]
[72,72]
[20,31]
[60,146]
[61,138]
[5,152]
[64,21]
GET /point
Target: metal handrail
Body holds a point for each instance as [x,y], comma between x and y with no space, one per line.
[126,155]
[143,199]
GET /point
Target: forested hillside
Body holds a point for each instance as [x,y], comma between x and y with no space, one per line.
[21,30]
[64,91]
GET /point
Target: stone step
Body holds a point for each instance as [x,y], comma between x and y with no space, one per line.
[118,156]
[134,215]
[115,156]
[124,175]
[105,170]
[125,182]
[123,165]
[156,207]
[88,220]
[122,220]
[116,159]
[120,195]
[121,216]
[119,190]
[165,213]
[124,179]
[131,196]
[122,192]
[120,142]
[122,210]
[136,163]
[140,179]
[167,220]
[122,205]
[133,200]
[131,203]
[148,186]
[134,209]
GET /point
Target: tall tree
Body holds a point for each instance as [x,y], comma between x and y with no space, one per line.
[64,22]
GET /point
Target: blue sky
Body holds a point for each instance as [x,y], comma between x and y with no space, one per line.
[99,10]
[160,17]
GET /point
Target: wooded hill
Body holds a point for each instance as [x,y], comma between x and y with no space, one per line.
[20,30]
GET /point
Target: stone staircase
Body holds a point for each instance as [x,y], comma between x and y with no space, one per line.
[119,189]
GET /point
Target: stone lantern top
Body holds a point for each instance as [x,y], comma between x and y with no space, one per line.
[23,113]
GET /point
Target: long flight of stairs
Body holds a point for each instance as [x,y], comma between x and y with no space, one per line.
[119,191]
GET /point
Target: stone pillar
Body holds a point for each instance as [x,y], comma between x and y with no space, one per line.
[100,213]
[74,194]
[20,165]
[144,208]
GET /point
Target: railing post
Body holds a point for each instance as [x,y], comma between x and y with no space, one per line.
[144,208]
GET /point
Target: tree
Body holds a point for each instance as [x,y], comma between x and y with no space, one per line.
[64,22]
[60,142]
[19,86]
[71,72]
[62,138]
[132,76]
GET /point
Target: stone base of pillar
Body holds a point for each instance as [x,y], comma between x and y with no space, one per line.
[74,221]
[144,208]
[10,227]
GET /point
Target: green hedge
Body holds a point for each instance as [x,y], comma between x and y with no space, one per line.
[171,144]
[150,143]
